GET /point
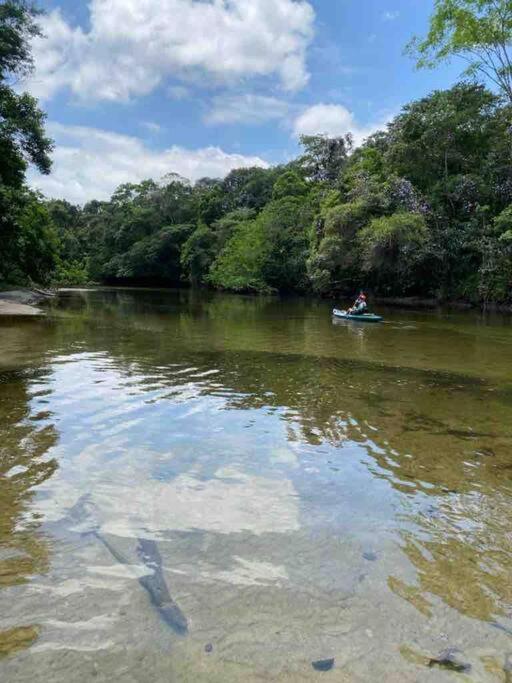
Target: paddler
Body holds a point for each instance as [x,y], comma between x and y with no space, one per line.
[359,306]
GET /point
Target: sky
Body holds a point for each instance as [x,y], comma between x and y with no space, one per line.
[137,89]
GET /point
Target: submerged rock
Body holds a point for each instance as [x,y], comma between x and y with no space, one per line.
[370,556]
[485,453]
[501,627]
[156,586]
[450,660]
[323,664]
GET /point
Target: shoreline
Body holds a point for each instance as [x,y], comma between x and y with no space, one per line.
[26,302]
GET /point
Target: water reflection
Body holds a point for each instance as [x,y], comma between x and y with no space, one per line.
[25,439]
[277,477]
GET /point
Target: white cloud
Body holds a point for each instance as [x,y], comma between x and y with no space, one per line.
[178,92]
[90,163]
[247,108]
[334,120]
[151,126]
[132,45]
[390,16]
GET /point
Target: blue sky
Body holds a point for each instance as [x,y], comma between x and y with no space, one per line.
[138,88]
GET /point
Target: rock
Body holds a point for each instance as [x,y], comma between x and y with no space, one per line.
[370,556]
[450,660]
[22,301]
[323,664]
[10,308]
[485,453]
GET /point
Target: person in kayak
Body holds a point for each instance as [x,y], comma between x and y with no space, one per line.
[359,306]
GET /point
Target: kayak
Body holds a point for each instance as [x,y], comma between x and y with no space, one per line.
[361,317]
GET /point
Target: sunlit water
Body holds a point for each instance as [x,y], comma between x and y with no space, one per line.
[219,488]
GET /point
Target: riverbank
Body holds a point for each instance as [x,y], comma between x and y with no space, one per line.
[399,302]
[23,302]
[418,303]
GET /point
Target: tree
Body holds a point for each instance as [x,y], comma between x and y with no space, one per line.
[289,184]
[477,31]
[197,255]
[335,263]
[249,188]
[239,266]
[284,223]
[324,157]
[17,29]
[22,137]
[447,133]
[392,248]
[29,243]
[495,273]
[27,240]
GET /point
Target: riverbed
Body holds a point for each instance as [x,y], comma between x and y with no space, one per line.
[207,487]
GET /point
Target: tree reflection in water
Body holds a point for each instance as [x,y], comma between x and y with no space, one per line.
[25,439]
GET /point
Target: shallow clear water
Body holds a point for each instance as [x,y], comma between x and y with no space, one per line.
[199,487]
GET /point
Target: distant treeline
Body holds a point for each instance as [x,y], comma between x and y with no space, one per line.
[421,208]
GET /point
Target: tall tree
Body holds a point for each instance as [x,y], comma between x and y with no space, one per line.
[22,136]
[27,240]
[324,157]
[477,31]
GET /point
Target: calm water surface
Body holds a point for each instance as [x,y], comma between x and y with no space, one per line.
[219,488]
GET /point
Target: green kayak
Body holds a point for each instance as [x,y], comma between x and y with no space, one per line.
[362,317]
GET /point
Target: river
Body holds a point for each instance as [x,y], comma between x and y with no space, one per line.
[206,487]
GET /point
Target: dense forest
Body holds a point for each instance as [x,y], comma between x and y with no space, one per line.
[423,207]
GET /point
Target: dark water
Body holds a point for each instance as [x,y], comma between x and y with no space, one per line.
[219,488]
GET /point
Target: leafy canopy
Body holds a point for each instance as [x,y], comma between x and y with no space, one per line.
[28,243]
[22,137]
[477,31]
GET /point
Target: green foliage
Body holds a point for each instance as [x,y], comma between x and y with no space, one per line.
[70,273]
[344,220]
[22,138]
[197,255]
[289,184]
[249,188]
[324,157]
[239,266]
[478,31]
[503,225]
[284,223]
[226,226]
[335,263]
[17,28]
[447,133]
[28,243]
[495,273]
[392,248]
[423,207]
